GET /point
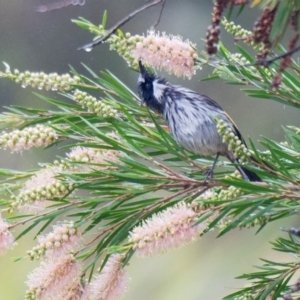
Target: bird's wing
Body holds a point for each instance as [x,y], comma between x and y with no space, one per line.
[236,131]
[214,104]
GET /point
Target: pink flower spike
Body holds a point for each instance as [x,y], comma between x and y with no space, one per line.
[93,156]
[73,291]
[52,277]
[168,229]
[167,52]
[63,240]
[111,282]
[6,238]
[40,188]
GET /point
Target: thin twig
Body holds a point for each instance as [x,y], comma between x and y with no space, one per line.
[267,62]
[170,171]
[118,25]
[23,222]
[160,13]
[272,171]
[143,212]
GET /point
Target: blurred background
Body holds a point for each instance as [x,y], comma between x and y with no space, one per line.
[47,42]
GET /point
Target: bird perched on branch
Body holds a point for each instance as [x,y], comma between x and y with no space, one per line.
[191,118]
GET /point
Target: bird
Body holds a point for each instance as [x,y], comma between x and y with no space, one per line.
[191,118]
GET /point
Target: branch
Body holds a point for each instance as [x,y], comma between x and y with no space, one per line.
[267,62]
[111,31]
[160,13]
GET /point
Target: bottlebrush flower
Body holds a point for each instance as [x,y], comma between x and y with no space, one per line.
[73,291]
[40,80]
[110,283]
[40,188]
[168,229]
[92,157]
[167,52]
[52,277]
[6,238]
[94,105]
[62,240]
[19,140]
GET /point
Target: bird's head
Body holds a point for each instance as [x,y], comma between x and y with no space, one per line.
[152,89]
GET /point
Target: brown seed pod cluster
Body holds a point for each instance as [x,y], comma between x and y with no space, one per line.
[294,20]
[287,60]
[284,63]
[212,39]
[261,32]
[262,27]
[260,37]
[213,31]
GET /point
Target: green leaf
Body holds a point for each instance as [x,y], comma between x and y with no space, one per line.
[210,77]
[83,23]
[280,22]
[26,230]
[245,54]
[246,185]
[104,18]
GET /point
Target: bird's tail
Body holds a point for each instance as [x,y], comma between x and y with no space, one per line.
[247,174]
[251,175]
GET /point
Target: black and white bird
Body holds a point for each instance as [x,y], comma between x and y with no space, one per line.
[191,118]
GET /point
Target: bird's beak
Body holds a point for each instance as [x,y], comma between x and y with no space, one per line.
[142,69]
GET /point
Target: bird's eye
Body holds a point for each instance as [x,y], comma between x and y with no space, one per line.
[148,85]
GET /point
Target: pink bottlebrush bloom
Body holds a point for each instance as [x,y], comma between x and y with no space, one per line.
[52,277]
[110,283]
[39,189]
[42,178]
[85,154]
[93,157]
[73,291]
[6,238]
[62,240]
[167,52]
[168,229]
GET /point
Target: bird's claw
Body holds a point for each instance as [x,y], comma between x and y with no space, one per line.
[209,175]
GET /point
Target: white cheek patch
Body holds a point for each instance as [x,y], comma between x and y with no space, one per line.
[158,90]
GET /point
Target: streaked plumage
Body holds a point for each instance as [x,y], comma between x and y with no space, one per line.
[190,117]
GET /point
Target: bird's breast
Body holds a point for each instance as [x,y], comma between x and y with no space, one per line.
[194,128]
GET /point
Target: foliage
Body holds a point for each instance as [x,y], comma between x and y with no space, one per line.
[106,199]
